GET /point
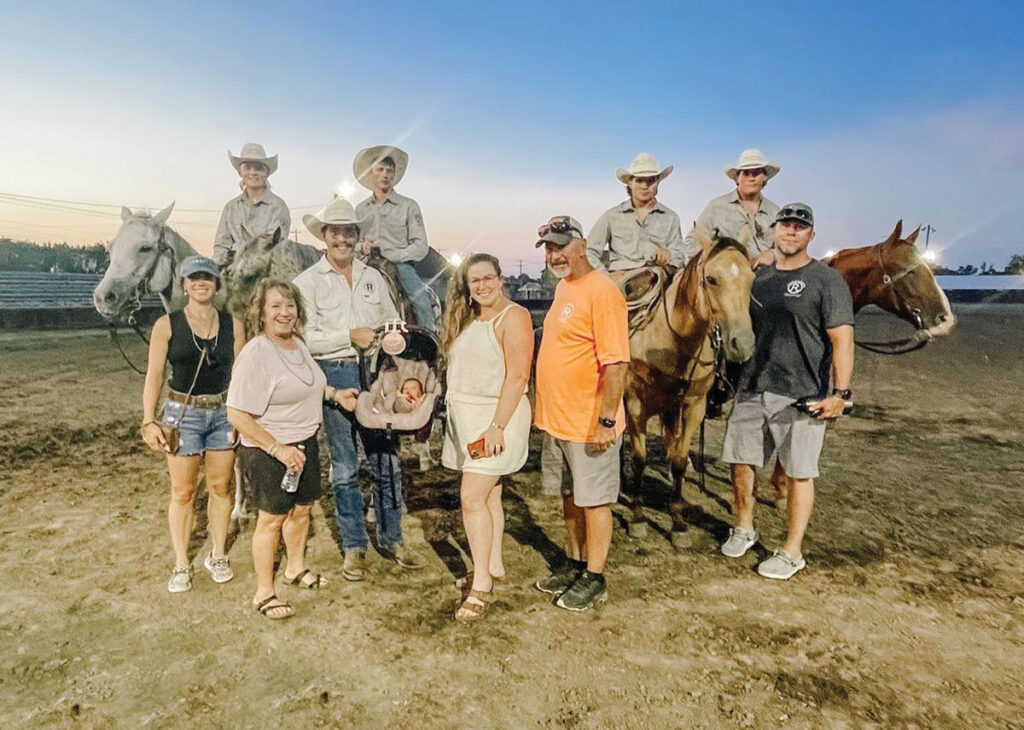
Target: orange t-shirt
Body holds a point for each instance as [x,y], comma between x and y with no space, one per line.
[584,330]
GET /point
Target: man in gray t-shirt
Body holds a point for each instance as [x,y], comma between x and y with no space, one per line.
[802,315]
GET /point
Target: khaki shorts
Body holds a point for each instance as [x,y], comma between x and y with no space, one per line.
[763,424]
[589,475]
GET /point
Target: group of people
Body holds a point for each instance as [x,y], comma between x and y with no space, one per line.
[300,372]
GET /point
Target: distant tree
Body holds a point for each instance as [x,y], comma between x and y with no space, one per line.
[967,270]
[1016,265]
[24,256]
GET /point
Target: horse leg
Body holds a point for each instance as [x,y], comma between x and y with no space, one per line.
[679,428]
[633,467]
[781,484]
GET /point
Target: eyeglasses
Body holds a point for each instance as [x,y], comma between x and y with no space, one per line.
[646,180]
[795,214]
[753,172]
[558,225]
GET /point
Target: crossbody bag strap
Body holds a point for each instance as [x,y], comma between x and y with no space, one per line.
[188,396]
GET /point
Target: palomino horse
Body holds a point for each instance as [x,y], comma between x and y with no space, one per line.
[706,307]
[891,275]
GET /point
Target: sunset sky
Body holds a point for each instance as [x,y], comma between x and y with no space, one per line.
[512,113]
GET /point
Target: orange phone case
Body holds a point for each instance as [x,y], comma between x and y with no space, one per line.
[476,448]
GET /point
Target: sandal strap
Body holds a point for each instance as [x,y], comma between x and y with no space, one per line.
[484,597]
[263,606]
[297,580]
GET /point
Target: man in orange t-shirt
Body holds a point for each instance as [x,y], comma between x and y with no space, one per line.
[581,370]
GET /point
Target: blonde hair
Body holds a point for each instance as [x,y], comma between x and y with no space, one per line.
[460,309]
[254,317]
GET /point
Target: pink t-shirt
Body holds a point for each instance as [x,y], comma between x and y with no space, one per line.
[283,389]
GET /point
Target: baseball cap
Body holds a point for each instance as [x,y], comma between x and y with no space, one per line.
[559,230]
[795,212]
[196,265]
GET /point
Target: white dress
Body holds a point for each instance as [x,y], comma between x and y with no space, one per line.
[476,372]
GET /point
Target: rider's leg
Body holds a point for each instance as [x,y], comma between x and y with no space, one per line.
[416,290]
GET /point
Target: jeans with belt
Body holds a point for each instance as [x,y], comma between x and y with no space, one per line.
[341,428]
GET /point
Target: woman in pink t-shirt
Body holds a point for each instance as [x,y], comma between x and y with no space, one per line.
[275,401]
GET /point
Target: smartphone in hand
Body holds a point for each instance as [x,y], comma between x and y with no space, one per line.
[476,449]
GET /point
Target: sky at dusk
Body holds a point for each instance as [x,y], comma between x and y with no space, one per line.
[515,112]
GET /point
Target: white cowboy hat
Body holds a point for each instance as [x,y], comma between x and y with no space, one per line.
[367,158]
[252,152]
[751,160]
[643,165]
[338,213]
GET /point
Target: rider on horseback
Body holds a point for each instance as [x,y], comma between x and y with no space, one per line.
[394,223]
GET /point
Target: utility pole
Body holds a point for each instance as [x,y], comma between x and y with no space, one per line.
[295,235]
[928,231]
[520,267]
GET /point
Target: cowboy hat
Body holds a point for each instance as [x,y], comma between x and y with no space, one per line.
[252,152]
[751,160]
[338,213]
[367,158]
[643,165]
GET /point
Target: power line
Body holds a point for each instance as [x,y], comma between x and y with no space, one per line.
[19,196]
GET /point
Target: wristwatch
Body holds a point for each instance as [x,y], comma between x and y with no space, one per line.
[607,422]
[844,394]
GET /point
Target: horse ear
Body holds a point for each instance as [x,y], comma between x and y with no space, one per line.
[744,236]
[160,218]
[897,232]
[126,214]
[909,240]
[703,238]
[277,236]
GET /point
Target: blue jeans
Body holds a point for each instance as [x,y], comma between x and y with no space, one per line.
[341,428]
[416,290]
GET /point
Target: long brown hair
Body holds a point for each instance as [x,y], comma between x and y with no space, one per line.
[460,309]
[254,317]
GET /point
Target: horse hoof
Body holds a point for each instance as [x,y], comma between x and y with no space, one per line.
[636,530]
[681,540]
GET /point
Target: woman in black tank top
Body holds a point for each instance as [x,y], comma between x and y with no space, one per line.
[200,344]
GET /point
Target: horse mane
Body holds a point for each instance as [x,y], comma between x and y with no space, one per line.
[723,244]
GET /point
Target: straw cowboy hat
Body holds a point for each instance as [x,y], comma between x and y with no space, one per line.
[367,158]
[252,152]
[338,213]
[643,165]
[751,160]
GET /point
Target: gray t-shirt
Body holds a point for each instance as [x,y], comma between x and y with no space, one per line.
[791,311]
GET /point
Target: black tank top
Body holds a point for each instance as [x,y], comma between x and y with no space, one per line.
[183,354]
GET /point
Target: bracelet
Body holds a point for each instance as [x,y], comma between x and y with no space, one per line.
[146,423]
[332,392]
[494,424]
[273,448]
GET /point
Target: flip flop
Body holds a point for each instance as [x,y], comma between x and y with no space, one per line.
[264,606]
[320,581]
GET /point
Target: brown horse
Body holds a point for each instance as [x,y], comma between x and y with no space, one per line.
[706,307]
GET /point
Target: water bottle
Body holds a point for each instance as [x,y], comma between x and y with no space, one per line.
[290,482]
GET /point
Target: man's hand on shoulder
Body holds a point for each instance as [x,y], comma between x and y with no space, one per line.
[765,258]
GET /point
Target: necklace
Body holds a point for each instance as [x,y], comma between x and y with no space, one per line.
[301,361]
[204,351]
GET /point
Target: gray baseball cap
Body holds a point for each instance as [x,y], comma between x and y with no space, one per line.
[559,230]
[198,265]
[795,212]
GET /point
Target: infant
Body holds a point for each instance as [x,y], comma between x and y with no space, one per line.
[410,395]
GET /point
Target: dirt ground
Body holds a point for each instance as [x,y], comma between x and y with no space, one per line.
[910,613]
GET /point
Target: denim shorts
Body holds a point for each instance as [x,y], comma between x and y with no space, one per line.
[202,429]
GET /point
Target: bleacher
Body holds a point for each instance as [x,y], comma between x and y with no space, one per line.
[45,300]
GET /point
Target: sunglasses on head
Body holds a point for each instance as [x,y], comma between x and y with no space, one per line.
[558,225]
[794,214]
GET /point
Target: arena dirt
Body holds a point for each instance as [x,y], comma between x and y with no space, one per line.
[910,613]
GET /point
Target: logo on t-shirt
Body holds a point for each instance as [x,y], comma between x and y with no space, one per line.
[795,288]
[566,312]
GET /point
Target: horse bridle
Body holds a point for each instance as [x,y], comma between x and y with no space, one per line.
[908,344]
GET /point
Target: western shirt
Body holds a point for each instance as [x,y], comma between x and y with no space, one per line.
[396,225]
[725,217]
[333,307]
[631,244]
[264,216]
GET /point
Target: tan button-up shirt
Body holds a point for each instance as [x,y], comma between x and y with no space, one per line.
[631,244]
[725,217]
[396,225]
[263,216]
[333,307]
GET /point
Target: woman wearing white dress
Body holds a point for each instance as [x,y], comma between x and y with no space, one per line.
[488,344]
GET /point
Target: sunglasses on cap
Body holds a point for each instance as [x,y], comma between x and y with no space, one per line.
[558,225]
[795,214]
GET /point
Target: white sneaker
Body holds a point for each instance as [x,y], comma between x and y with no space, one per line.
[781,566]
[181,580]
[219,568]
[739,542]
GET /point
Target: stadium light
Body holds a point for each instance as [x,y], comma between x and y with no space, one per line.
[455,259]
[829,254]
[345,189]
[930,256]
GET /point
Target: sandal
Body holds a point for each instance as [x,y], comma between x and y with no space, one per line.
[264,607]
[318,582]
[476,610]
[466,582]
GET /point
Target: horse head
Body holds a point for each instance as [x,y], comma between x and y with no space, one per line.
[140,258]
[725,278]
[253,260]
[910,290]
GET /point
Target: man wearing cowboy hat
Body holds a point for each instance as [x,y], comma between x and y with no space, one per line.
[726,215]
[640,230]
[394,223]
[256,211]
[346,301]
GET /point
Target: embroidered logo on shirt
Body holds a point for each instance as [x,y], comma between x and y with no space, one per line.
[369,287]
[566,312]
[795,288]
